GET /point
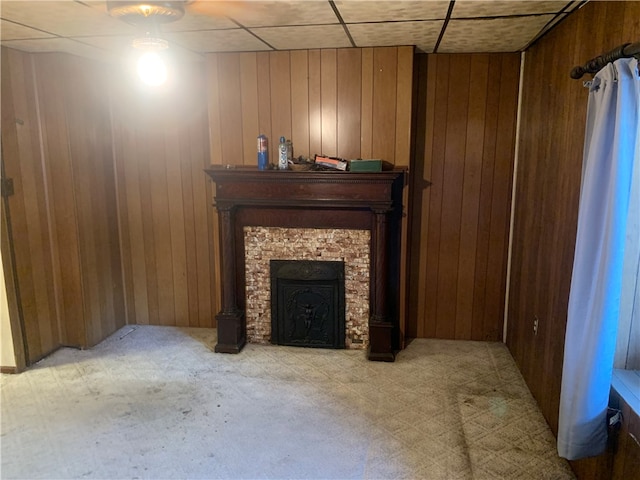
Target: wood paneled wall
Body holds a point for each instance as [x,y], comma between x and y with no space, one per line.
[124,211]
[352,103]
[153,210]
[164,200]
[21,155]
[461,194]
[548,186]
[57,147]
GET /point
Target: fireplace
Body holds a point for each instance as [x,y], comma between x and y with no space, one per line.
[307,303]
[372,202]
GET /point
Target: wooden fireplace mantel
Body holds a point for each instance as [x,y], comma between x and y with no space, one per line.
[246,196]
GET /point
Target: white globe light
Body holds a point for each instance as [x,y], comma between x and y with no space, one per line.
[152,69]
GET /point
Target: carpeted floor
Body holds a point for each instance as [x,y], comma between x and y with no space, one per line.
[156,402]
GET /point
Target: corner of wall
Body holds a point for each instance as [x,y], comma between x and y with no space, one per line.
[7,354]
[514,179]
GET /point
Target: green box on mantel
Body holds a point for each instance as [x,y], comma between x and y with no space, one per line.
[365,165]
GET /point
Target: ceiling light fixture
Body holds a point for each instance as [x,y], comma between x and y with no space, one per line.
[149,16]
[141,13]
[151,69]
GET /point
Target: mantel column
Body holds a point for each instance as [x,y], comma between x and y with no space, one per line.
[380,326]
[230,320]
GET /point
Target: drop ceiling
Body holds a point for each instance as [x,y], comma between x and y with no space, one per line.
[462,26]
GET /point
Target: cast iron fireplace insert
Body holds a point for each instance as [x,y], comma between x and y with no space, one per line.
[307,303]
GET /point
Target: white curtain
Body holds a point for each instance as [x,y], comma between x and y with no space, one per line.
[612,146]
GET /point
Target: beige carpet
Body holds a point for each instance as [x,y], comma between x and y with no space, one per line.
[156,402]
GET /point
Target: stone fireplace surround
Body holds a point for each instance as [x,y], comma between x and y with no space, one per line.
[246,197]
[262,244]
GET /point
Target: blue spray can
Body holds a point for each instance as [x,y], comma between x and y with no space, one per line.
[263,152]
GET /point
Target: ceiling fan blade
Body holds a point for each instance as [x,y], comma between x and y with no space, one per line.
[217,8]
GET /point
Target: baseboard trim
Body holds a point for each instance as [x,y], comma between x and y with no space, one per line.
[10,370]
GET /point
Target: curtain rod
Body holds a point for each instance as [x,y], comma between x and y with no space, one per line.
[595,64]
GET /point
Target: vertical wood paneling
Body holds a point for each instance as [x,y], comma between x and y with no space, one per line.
[145,165]
[213,97]
[160,226]
[348,108]
[501,199]
[547,192]
[478,327]
[64,218]
[231,129]
[280,77]
[366,115]
[90,138]
[351,103]
[264,98]
[249,98]
[130,206]
[21,157]
[300,102]
[404,89]
[65,158]
[421,191]
[463,222]
[454,154]
[328,99]
[403,136]
[177,228]
[206,257]
[385,63]
[188,212]
[315,105]
[479,70]
[167,200]
[435,155]
[129,314]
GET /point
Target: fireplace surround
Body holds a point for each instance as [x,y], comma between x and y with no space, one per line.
[246,196]
[263,244]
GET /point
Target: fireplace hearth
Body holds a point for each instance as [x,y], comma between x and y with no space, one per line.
[307,303]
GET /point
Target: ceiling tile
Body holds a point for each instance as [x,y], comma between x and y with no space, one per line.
[63,18]
[483,8]
[299,24]
[312,36]
[237,40]
[421,34]
[120,47]
[491,35]
[191,22]
[58,45]
[269,14]
[374,11]
[13,31]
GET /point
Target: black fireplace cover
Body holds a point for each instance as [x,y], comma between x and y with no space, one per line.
[307,303]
